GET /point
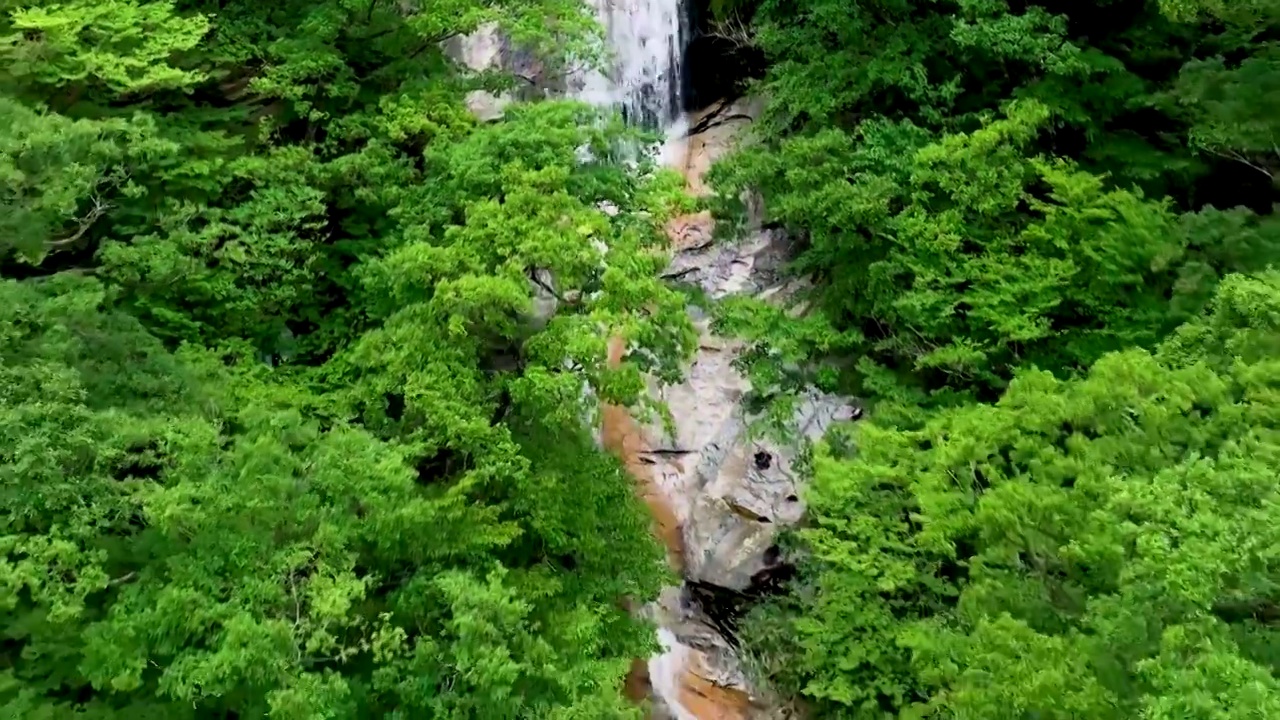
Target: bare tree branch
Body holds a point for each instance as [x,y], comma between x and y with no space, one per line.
[122,579]
[1236,156]
[99,209]
[734,30]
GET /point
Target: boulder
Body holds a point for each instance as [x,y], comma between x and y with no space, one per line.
[713,132]
[691,232]
[749,488]
[752,266]
[731,491]
[706,700]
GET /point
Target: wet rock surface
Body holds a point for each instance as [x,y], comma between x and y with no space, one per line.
[729,491]
[712,133]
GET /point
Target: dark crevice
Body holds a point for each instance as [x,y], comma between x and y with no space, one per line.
[395,406]
[715,67]
[763,460]
[724,608]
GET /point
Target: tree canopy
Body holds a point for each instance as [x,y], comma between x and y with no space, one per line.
[186,537]
[1040,238]
[978,186]
[1096,547]
[300,360]
[298,365]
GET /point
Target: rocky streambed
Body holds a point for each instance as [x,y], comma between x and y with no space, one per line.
[718,495]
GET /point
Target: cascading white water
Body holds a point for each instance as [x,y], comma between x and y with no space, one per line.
[664,673]
[645,42]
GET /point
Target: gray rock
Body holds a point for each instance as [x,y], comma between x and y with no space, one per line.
[749,489]
[749,266]
[730,504]
[489,49]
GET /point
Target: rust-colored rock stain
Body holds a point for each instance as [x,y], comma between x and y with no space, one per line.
[637,687]
[708,701]
[622,436]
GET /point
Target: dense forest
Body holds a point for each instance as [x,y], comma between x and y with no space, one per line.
[300,362]
[1042,238]
[283,431]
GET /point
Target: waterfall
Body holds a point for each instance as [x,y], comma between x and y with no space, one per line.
[664,672]
[646,42]
[645,47]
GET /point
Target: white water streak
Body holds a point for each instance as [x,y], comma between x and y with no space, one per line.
[665,671]
[645,40]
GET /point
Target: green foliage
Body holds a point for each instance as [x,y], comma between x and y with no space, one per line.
[316,439]
[55,171]
[231,163]
[177,539]
[976,187]
[778,356]
[1232,109]
[124,46]
[960,257]
[1014,217]
[531,225]
[1100,547]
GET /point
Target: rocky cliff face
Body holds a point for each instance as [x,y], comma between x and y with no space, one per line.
[489,49]
[732,492]
[728,492]
[718,496]
[731,495]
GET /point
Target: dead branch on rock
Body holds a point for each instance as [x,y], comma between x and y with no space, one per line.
[716,118]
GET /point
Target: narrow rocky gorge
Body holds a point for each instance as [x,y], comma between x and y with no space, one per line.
[718,496]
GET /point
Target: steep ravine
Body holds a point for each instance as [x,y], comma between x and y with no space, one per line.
[717,496]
